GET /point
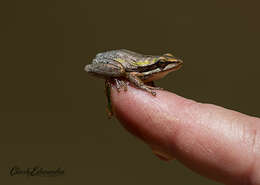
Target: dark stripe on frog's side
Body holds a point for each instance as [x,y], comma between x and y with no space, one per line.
[141,69]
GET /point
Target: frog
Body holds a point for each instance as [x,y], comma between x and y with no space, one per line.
[122,66]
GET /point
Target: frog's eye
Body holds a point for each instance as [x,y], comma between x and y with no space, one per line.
[162,64]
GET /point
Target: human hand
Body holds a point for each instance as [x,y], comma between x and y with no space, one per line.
[221,144]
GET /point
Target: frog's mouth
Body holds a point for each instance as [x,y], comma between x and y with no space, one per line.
[173,66]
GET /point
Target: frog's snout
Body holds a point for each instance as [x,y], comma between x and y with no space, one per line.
[179,62]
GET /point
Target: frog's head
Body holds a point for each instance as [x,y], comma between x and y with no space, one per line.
[162,66]
[169,62]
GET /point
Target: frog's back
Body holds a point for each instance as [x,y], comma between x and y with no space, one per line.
[127,58]
[120,53]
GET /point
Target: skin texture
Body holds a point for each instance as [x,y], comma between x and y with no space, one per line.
[221,144]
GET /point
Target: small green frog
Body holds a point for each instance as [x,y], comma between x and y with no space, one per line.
[123,66]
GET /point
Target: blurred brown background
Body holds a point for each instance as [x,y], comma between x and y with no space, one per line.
[52,113]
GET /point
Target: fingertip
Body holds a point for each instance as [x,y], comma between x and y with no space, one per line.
[207,138]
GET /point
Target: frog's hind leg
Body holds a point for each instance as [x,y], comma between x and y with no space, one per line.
[119,83]
[111,69]
[108,96]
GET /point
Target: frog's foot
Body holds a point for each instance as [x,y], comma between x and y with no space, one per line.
[154,88]
[121,84]
[149,89]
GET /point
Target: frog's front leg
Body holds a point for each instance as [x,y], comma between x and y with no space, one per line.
[151,83]
[133,77]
